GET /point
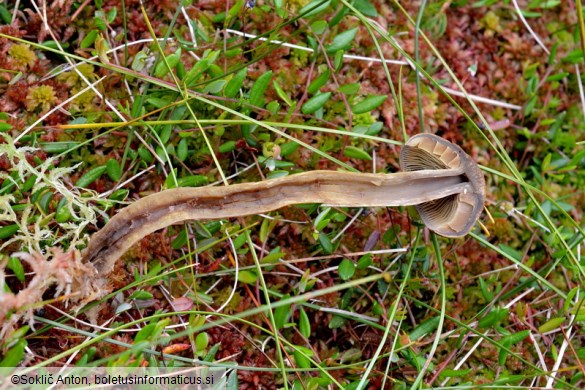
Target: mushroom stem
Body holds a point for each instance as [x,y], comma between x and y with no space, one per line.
[345,189]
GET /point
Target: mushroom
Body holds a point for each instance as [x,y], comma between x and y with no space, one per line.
[439,178]
[453,215]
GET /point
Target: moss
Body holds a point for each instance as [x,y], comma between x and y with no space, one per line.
[491,23]
[22,56]
[84,102]
[40,96]
[72,79]
[365,119]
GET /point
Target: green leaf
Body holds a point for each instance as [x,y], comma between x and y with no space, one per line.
[273,106]
[513,253]
[91,176]
[165,133]
[247,277]
[259,89]
[315,103]
[546,163]
[336,322]
[427,327]
[368,104]
[157,102]
[288,148]
[196,72]
[552,324]
[63,214]
[366,8]
[180,240]
[235,84]
[58,147]
[341,41]
[145,154]
[144,333]
[281,94]
[162,69]
[13,356]
[273,256]
[349,89]
[530,105]
[449,373]
[113,169]
[301,359]
[325,243]
[5,16]
[346,269]
[494,317]
[320,81]
[321,221]
[16,267]
[201,341]
[112,15]
[319,26]
[119,195]
[282,313]
[338,60]
[365,261]
[45,200]
[304,323]
[508,341]
[266,227]
[353,152]
[235,11]
[8,231]
[227,147]
[487,295]
[89,39]
[140,294]
[192,181]
[215,86]
[4,127]
[140,61]
[182,150]
[313,8]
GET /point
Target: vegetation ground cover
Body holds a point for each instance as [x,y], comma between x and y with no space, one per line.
[108,101]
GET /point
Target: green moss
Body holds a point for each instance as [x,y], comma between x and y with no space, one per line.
[295,5]
[40,96]
[22,56]
[491,23]
[365,119]
[72,78]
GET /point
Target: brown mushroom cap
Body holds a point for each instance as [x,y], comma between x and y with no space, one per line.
[453,215]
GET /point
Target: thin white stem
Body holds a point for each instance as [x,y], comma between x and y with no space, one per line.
[536,38]
[353,219]
[580,84]
[237,270]
[563,349]
[108,193]
[304,48]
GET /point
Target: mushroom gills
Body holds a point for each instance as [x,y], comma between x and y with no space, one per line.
[453,215]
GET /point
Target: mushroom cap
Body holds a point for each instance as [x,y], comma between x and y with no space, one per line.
[453,215]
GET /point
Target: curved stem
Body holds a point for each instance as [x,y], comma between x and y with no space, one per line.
[343,189]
